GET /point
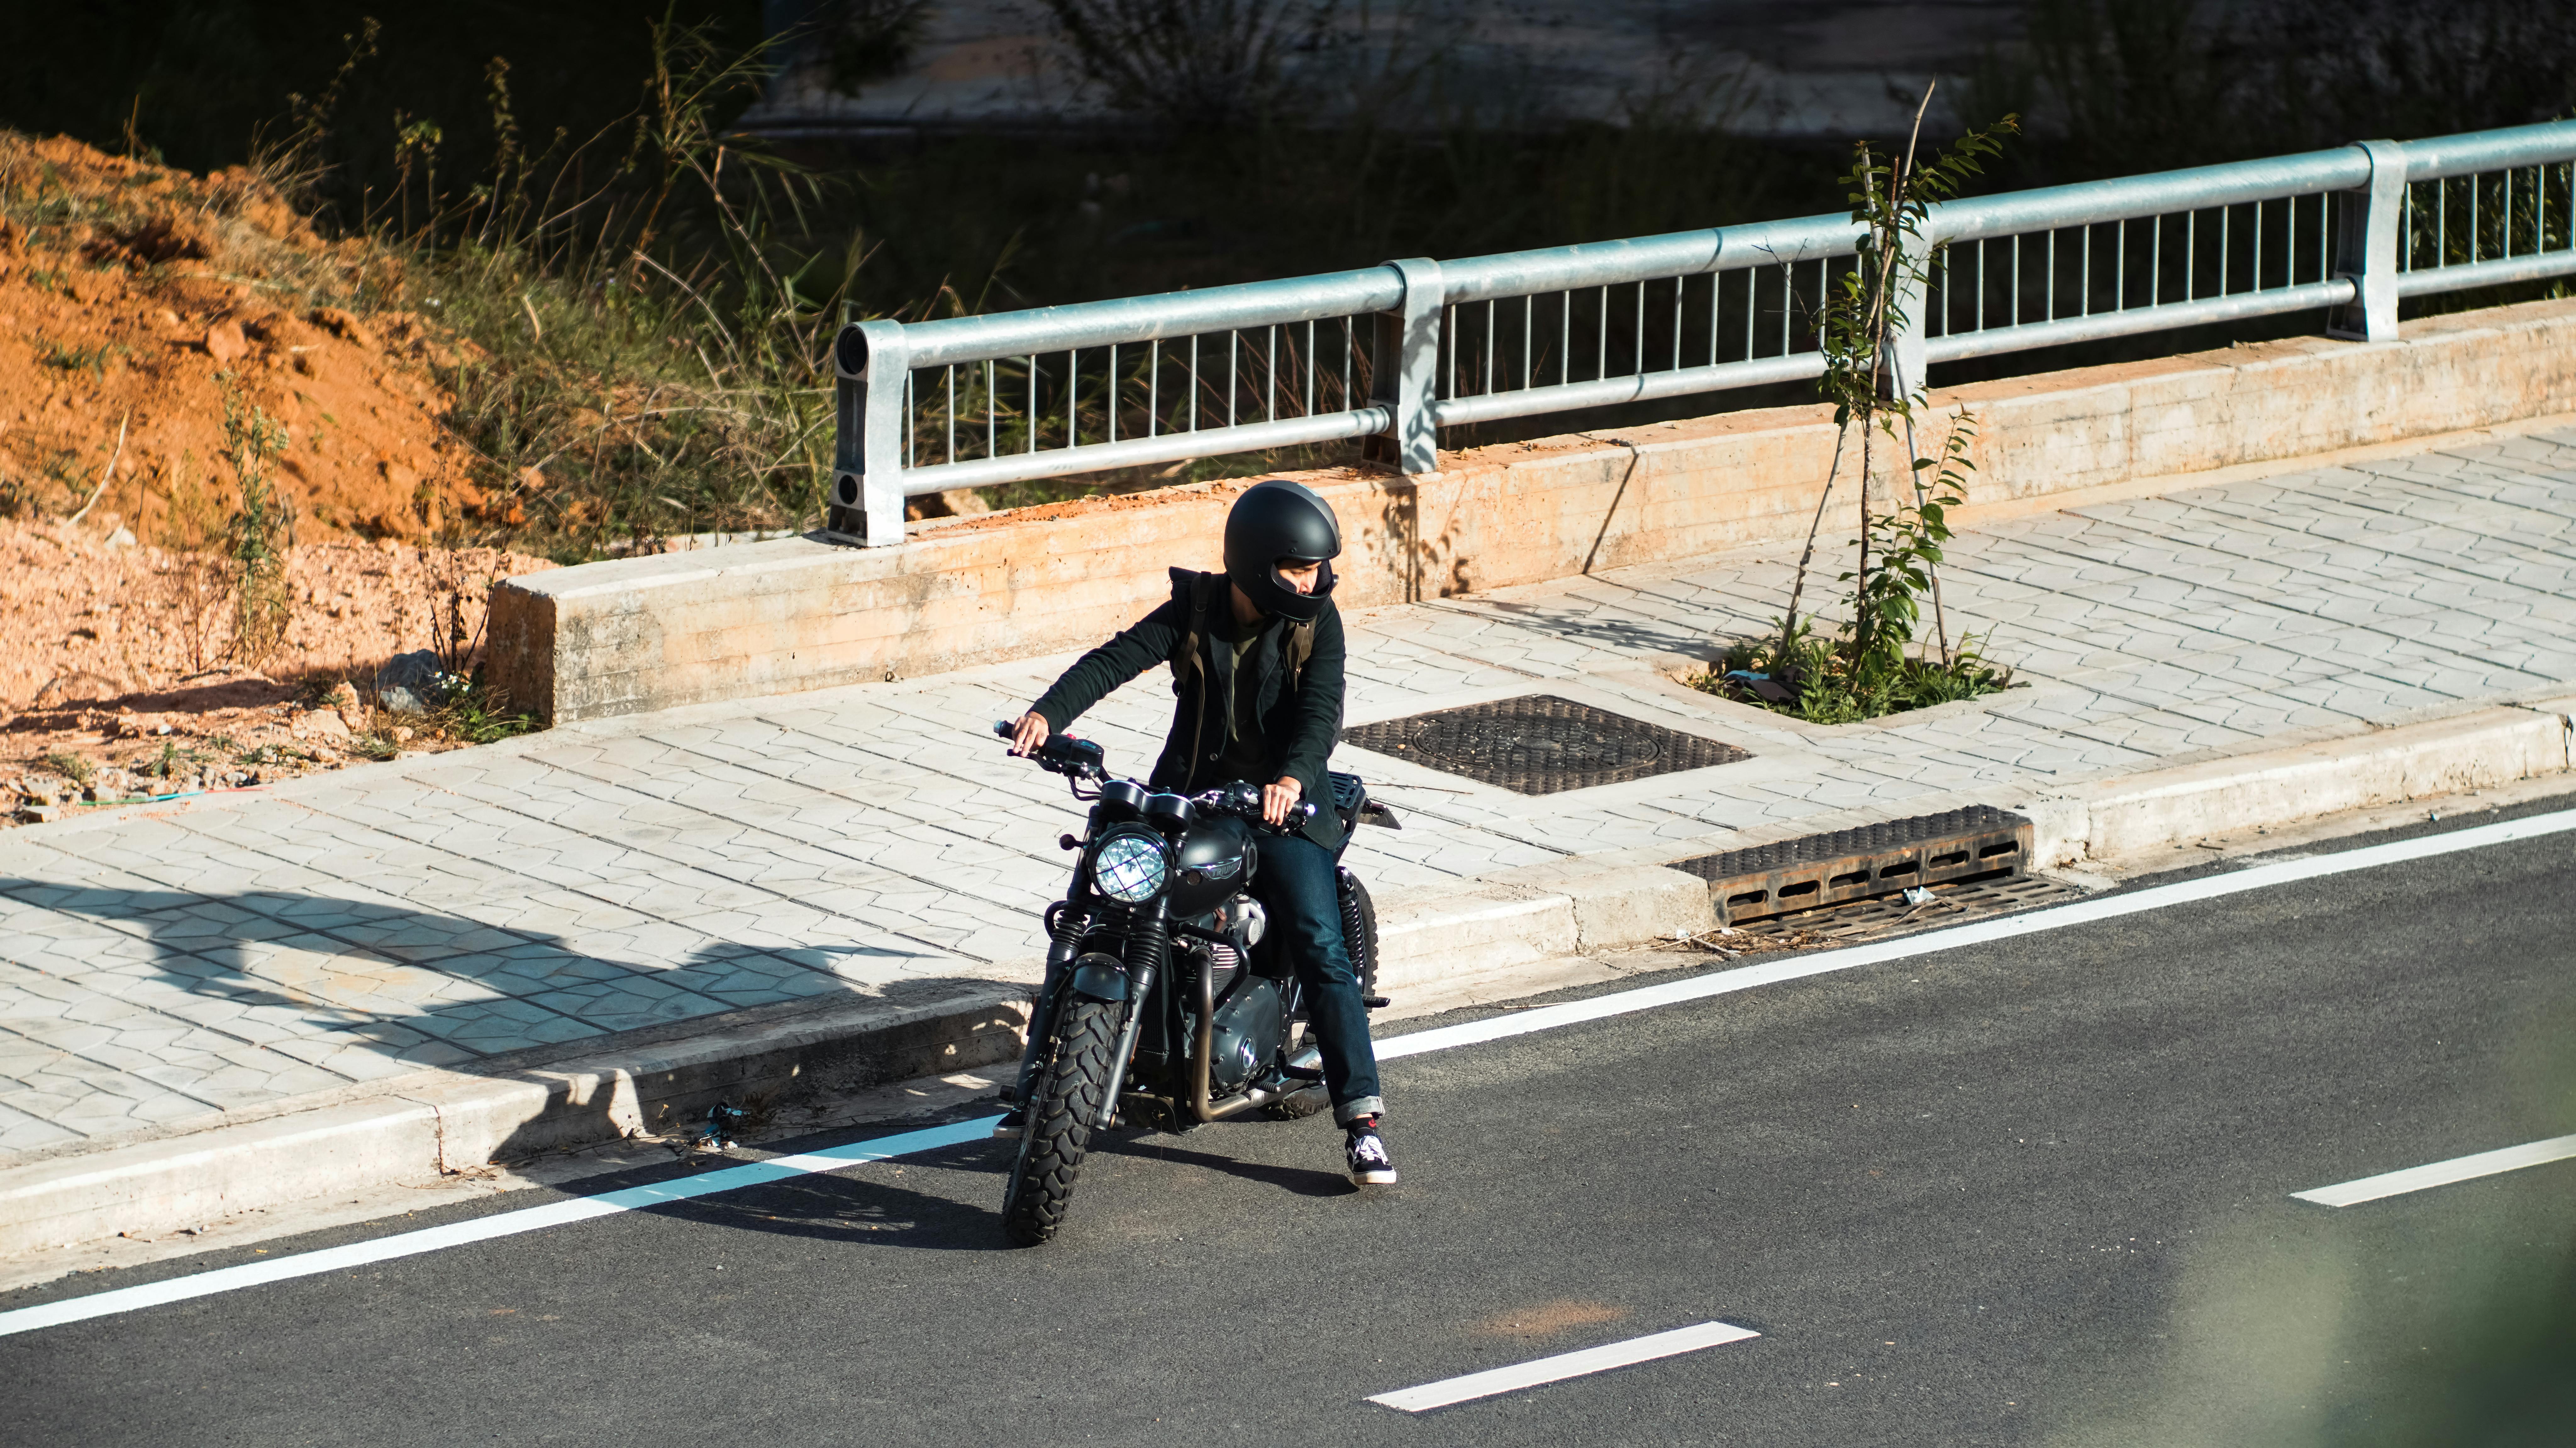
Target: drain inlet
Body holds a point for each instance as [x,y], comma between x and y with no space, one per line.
[1976,843]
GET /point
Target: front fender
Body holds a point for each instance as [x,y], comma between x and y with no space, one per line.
[1100,977]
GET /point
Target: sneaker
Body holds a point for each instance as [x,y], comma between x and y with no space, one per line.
[1011,1124]
[1366,1151]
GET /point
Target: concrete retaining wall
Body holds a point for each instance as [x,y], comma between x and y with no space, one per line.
[762,618]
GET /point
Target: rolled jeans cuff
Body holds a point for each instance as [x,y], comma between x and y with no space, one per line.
[1350,1111]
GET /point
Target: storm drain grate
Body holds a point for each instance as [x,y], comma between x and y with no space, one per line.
[1883,916]
[1801,874]
[1541,744]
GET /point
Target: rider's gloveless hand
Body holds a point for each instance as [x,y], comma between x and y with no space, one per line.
[1278,799]
[1032,732]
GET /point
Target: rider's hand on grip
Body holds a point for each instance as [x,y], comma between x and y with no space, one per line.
[1027,735]
[1279,802]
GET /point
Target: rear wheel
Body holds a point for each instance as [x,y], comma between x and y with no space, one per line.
[1061,1111]
[1299,1104]
[1359,929]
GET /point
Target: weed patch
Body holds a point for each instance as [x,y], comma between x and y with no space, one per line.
[172,762]
[479,713]
[93,360]
[1825,681]
[376,744]
[260,537]
[72,767]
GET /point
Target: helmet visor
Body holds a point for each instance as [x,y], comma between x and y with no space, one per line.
[1287,602]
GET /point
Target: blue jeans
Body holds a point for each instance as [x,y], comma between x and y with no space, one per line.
[1296,887]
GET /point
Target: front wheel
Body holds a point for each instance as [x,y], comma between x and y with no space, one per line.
[1061,1112]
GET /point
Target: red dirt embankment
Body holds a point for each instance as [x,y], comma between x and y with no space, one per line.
[125,289]
[132,297]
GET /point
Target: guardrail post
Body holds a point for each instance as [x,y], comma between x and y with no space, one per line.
[1909,340]
[866,502]
[1404,372]
[2366,247]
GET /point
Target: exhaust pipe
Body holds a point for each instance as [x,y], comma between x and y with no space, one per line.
[1200,1105]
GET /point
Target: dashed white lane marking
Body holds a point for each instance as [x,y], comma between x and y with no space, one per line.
[1564,1365]
[1519,1023]
[2441,1173]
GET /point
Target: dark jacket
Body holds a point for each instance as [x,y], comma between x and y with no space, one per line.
[1300,718]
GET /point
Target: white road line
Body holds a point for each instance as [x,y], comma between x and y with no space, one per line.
[1564,1365]
[2010,927]
[2441,1173]
[483,1229]
[1518,1023]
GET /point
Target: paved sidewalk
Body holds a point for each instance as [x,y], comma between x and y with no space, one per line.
[872,840]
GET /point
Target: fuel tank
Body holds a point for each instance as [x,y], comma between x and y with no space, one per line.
[1217,858]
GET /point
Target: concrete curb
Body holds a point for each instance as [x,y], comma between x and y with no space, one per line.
[419,1126]
[2120,819]
[1509,934]
[1527,917]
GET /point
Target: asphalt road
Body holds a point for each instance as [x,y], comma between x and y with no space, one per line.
[2034,1191]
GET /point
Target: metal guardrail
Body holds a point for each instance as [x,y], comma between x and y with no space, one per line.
[1393,353]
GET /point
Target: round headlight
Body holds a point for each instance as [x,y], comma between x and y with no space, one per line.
[1130,869]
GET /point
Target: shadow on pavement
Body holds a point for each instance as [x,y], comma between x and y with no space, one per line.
[323,991]
[873,1209]
[1300,1180]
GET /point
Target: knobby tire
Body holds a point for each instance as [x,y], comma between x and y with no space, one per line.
[1061,1113]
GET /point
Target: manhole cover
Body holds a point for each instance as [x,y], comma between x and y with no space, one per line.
[1540,744]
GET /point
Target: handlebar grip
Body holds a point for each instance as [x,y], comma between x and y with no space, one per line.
[1005,728]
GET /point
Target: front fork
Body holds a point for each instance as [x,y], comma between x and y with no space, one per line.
[1063,944]
[1148,946]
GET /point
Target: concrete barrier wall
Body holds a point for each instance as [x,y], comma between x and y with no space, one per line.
[763,618]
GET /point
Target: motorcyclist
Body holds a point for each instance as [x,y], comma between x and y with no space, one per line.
[1257,659]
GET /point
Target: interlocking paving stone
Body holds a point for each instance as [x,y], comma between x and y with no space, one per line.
[441,910]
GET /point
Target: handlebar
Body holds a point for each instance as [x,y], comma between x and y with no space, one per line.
[1062,753]
[1243,800]
[1084,759]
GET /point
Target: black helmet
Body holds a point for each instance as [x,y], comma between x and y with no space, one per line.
[1277,519]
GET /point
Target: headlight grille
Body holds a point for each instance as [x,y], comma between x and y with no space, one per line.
[1130,869]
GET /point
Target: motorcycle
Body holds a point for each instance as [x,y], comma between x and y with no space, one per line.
[1166,1002]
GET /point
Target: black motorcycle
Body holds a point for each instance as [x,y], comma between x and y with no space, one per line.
[1165,1003]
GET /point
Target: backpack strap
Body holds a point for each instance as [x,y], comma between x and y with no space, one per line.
[1185,653]
[1298,647]
[1202,602]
